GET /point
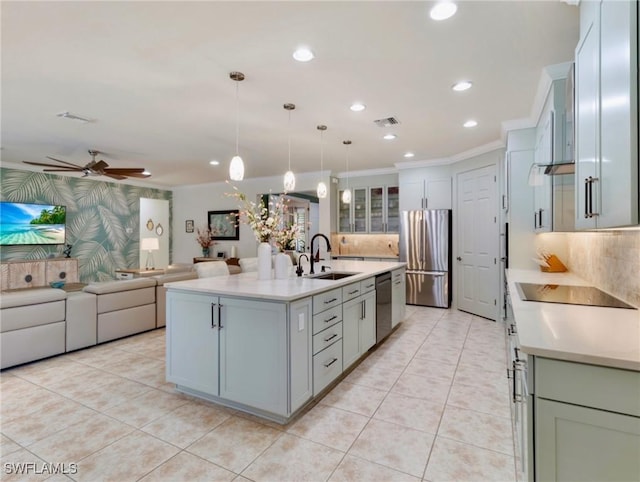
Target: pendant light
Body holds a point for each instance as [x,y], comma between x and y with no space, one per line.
[322,187]
[346,194]
[289,178]
[236,167]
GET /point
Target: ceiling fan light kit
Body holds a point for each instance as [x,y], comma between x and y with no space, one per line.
[236,167]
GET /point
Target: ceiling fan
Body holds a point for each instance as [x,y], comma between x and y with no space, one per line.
[93,168]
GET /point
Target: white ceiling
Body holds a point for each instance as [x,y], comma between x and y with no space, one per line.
[154,76]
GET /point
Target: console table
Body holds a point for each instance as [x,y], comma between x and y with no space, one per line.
[34,273]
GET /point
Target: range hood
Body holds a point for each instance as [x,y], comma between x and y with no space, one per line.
[560,168]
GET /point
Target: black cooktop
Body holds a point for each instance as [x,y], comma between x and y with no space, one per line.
[570,295]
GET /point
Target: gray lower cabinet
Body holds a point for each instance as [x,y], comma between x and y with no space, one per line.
[241,352]
[358,327]
[587,422]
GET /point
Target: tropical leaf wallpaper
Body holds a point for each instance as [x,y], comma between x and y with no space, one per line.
[98,217]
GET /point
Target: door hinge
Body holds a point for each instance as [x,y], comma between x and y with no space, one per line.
[494,302]
[494,178]
[495,261]
[495,219]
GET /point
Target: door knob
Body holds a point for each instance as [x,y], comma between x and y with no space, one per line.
[459,258]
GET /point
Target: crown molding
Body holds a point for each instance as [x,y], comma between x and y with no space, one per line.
[367,172]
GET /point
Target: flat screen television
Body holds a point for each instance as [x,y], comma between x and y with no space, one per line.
[23,223]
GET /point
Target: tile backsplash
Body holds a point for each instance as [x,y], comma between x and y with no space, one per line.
[382,245]
[608,259]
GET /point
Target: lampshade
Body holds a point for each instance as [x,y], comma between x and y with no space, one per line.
[150,244]
[236,167]
[322,190]
[289,181]
[346,196]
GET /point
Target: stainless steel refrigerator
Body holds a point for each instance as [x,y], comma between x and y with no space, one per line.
[425,245]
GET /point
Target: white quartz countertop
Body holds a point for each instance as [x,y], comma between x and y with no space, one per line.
[585,334]
[247,285]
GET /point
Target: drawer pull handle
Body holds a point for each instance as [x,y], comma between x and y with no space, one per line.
[331,319]
[353,292]
[398,282]
[330,301]
[369,286]
[331,337]
[331,363]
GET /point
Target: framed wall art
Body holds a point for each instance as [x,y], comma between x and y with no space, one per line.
[224,225]
[188,226]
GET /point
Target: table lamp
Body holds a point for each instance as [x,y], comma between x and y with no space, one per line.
[150,245]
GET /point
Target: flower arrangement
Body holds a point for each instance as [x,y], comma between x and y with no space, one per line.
[286,238]
[264,220]
[203,237]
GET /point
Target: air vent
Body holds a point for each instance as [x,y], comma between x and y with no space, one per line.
[70,116]
[386,122]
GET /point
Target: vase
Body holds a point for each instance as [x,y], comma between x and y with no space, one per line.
[264,261]
[205,252]
[282,263]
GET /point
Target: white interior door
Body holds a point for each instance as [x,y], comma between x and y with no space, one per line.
[478,235]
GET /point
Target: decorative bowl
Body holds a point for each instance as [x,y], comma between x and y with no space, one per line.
[57,284]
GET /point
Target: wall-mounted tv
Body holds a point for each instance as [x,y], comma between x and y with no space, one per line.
[22,223]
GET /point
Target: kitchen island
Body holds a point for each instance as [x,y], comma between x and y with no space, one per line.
[268,347]
[576,385]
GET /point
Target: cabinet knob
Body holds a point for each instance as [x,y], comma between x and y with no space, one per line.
[459,258]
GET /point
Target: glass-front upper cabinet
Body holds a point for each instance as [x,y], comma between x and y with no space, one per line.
[371,210]
[384,213]
[353,215]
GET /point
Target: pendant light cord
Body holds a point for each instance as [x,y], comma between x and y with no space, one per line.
[289,129]
[321,154]
[237,117]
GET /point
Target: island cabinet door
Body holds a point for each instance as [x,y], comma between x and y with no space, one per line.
[367,331]
[192,341]
[253,354]
[351,315]
[301,359]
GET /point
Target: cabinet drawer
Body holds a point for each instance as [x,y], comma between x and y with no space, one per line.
[327,337]
[351,291]
[327,366]
[324,320]
[327,300]
[397,275]
[367,285]
[588,385]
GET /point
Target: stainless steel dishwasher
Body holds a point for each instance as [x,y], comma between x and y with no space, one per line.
[383,306]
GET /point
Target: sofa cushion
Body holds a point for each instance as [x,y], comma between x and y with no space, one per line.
[212,268]
[36,314]
[178,276]
[31,297]
[120,285]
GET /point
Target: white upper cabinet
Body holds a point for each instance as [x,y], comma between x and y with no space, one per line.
[371,210]
[607,115]
[425,188]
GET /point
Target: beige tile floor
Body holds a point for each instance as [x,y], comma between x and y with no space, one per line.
[431,403]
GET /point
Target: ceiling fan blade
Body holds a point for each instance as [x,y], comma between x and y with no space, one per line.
[64,162]
[50,165]
[114,176]
[138,175]
[62,169]
[125,170]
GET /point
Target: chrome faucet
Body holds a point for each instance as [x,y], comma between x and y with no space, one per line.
[312,240]
[299,269]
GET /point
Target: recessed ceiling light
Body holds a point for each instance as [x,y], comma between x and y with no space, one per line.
[214,163]
[303,54]
[470,123]
[463,85]
[389,137]
[409,154]
[357,107]
[443,10]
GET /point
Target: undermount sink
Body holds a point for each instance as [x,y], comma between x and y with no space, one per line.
[332,275]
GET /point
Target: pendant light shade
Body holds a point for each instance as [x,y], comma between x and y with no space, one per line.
[346,194]
[236,167]
[289,177]
[322,187]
